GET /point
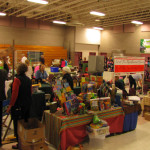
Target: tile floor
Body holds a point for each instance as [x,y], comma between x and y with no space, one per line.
[138,139]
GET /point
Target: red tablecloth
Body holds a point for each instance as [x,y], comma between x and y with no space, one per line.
[65,131]
[75,135]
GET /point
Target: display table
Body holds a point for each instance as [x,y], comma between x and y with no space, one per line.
[131,116]
[46,88]
[37,105]
[62,131]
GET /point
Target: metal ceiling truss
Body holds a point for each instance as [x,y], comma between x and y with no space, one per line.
[76,12]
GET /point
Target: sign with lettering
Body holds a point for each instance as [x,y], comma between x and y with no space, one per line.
[128,64]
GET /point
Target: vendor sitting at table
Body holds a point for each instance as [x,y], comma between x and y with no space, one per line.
[41,74]
[66,76]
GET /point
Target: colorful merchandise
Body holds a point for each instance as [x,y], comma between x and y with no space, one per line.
[94,104]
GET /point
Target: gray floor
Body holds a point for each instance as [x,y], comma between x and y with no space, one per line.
[138,139]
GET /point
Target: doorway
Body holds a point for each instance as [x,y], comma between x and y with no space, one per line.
[77,56]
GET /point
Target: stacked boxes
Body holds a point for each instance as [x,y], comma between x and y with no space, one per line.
[146,102]
[31,135]
[101,104]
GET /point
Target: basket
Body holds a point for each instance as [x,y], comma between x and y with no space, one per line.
[98,133]
[146,100]
[54,69]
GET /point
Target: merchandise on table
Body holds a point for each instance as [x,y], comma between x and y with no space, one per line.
[103,103]
[94,104]
[67,98]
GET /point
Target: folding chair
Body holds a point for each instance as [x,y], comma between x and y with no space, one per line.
[5,106]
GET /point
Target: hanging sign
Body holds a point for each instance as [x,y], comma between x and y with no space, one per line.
[128,64]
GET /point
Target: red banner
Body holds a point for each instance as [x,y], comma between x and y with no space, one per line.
[129,68]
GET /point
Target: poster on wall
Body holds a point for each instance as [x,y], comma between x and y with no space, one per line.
[145,46]
[129,64]
[34,56]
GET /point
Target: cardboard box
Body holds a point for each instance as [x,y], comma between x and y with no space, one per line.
[31,132]
[146,100]
[147,116]
[146,108]
[41,146]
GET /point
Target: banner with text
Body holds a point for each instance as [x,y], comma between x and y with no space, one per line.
[128,64]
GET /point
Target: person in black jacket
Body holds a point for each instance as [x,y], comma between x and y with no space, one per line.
[67,77]
[5,64]
[21,98]
[3,77]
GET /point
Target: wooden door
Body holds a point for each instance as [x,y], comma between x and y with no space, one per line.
[77,56]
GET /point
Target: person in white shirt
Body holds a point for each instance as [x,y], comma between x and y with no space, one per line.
[30,71]
[23,59]
[134,79]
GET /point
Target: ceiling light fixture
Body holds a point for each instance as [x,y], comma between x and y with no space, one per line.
[97,20]
[97,13]
[2,14]
[59,22]
[38,1]
[136,22]
[98,28]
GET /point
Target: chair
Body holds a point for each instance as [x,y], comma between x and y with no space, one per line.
[5,106]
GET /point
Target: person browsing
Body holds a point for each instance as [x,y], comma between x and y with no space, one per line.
[66,76]
[20,102]
[41,74]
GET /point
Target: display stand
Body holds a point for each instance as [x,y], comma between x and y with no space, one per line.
[124,66]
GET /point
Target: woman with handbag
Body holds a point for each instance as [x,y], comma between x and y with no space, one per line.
[21,98]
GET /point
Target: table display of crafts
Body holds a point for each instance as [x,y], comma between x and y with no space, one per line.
[87,100]
[68,100]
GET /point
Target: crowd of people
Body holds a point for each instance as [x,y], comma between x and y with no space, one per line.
[21,89]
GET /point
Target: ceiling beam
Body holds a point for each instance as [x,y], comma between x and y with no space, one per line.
[58,8]
[21,9]
[34,9]
[16,4]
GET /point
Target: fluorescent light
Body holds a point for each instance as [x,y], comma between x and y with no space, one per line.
[59,22]
[38,1]
[2,14]
[97,28]
[97,13]
[136,22]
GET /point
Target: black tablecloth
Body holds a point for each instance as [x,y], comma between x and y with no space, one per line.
[47,89]
[38,105]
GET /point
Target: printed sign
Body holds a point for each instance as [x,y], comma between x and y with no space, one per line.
[129,64]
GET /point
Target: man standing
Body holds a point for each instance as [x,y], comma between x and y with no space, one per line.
[3,77]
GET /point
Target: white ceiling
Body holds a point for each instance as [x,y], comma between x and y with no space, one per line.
[77,11]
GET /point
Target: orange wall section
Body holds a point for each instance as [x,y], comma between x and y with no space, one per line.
[50,52]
